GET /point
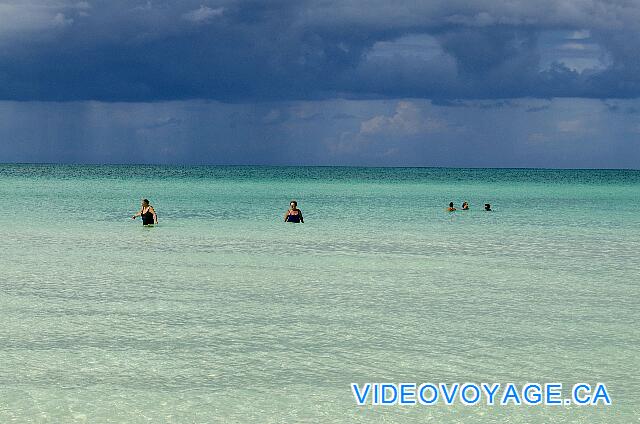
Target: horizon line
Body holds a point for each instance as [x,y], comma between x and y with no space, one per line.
[317,166]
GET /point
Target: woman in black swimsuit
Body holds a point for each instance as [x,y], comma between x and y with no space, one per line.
[147,213]
[293,214]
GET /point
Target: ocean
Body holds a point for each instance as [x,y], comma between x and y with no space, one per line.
[224,313]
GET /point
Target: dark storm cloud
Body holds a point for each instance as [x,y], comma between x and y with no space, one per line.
[257,50]
[616,107]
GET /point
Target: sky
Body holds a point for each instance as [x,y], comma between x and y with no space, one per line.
[484,83]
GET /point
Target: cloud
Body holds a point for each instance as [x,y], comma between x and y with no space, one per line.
[579,35]
[31,19]
[61,20]
[538,108]
[574,46]
[620,107]
[342,115]
[127,50]
[571,126]
[163,122]
[407,120]
[233,133]
[538,138]
[274,116]
[203,14]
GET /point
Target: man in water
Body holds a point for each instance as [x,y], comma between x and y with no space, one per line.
[293,214]
[147,213]
[451,208]
[487,207]
[465,206]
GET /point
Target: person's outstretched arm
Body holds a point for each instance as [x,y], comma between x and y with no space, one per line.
[137,214]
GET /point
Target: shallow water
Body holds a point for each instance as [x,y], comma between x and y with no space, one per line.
[223,313]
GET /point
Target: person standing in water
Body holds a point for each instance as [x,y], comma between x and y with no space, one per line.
[147,213]
[451,208]
[293,214]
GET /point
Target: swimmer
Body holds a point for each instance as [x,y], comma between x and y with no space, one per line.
[147,213]
[293,214]
[465,206]
[487,207]
[451,208]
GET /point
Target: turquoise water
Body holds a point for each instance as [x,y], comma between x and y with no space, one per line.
[223,313]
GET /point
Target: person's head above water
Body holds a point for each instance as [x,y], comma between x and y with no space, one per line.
[487,207]
[293,204]
[450,204]
[465,205]
[145,202]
